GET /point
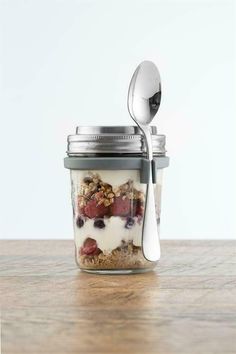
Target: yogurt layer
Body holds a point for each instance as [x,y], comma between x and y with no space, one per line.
[111,236]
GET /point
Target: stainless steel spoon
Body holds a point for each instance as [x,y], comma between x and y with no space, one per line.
[144,98]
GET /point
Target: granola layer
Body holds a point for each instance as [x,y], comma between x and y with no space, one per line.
[127,256]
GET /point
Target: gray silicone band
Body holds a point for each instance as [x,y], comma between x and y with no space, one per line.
[118,163]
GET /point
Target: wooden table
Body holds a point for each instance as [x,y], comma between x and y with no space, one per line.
[187,306]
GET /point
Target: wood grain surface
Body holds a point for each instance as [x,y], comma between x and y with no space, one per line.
[187,306]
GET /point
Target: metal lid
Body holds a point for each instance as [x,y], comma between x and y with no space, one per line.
[112,140]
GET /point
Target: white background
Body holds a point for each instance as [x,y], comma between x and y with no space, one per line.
[68,63]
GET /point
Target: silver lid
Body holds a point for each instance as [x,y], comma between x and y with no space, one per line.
[112,140]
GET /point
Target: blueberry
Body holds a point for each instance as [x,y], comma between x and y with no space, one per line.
[99,223]
[79,222]
[129,222]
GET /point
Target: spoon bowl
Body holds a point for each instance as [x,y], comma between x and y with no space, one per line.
[144,94]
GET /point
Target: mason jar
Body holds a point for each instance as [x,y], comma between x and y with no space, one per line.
[109,174]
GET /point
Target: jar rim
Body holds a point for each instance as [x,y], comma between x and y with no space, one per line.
[113,140]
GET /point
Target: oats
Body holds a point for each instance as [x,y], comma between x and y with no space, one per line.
[107,202]
[140,195]
[127,256]
[86,190]
[101,201]
[99,195]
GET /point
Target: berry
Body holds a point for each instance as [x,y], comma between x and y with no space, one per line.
[92,210]
[89,248]
[81,210]
[79,222]
[139,208]
[120,207]
[129,222]
[99,223]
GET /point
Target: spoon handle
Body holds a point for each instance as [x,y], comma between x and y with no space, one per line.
[150,237]
[150,242]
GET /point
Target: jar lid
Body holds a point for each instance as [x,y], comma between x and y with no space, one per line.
[112,140]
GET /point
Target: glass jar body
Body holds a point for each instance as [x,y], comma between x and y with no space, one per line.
[108,212]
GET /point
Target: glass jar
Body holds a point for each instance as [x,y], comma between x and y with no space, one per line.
[109,174]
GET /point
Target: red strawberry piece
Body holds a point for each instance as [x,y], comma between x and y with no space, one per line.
[89,248]
[121,207]
[81,210]
[92,210]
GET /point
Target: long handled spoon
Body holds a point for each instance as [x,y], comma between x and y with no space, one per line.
[144,98]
